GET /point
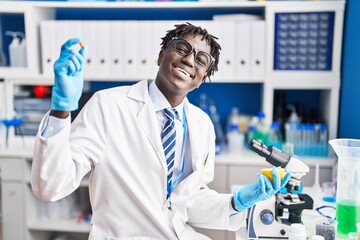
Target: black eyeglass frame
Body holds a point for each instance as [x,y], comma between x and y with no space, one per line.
[193,50]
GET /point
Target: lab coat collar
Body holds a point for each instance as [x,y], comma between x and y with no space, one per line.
[193,120]
[147,118]
[139,91]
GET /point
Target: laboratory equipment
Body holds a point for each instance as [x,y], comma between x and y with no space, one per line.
[17,49]
[272,218]
[348,185]
[297,232]
[261,132]
[12,122]
[235,138]
[329,190]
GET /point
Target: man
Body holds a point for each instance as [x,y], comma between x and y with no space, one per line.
[150,153]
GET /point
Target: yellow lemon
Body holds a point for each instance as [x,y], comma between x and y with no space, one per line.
[268,173]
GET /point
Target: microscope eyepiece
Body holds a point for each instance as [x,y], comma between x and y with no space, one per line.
[272,154]
[259,148]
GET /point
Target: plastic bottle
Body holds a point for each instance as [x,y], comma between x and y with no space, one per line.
[262,131]
[294,118]
[233,118]
[275,135]
[235,138]
[297,232]
[22,51]
[292,128]
[17,49]
[14,49]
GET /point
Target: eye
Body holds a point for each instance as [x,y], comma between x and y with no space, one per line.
[202,59]
[201,62]
[181,50]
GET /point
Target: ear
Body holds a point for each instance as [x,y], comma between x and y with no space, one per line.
[204,79]
[161,54]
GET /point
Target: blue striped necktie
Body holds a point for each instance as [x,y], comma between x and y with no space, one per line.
[168,136]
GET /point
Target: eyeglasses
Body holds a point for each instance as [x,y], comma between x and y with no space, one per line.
[184,48]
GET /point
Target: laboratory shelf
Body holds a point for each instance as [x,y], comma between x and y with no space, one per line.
[137,5]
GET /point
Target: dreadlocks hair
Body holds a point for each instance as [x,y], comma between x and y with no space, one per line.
[182,29]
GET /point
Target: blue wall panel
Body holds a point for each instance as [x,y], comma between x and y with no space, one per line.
[349,117]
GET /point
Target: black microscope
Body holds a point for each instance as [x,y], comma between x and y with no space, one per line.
[267,219]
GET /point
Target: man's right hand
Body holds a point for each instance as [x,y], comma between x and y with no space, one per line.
[69,79]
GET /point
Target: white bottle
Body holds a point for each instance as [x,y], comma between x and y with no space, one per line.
[236,139]
[22,51]
[317,237]
[297,232]
[14,48]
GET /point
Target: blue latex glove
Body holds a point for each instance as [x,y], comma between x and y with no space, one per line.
[260,190]
[69,79]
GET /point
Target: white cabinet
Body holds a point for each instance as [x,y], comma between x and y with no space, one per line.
[23,222]
[327,81]
[25,217]
[13,210]
[12,198]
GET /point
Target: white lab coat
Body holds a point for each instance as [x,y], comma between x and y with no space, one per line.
[115,137]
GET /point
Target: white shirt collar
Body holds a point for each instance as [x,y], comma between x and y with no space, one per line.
[160,102]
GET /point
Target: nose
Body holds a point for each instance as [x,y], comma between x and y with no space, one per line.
[189,60]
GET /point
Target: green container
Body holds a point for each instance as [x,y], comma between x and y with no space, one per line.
[348,185]
[347,215]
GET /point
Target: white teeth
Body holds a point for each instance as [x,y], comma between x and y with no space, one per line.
[183,71]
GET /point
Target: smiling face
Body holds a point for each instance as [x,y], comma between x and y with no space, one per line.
[178,75]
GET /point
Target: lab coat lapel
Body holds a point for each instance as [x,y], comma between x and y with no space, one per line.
[194,125]
[147,118]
